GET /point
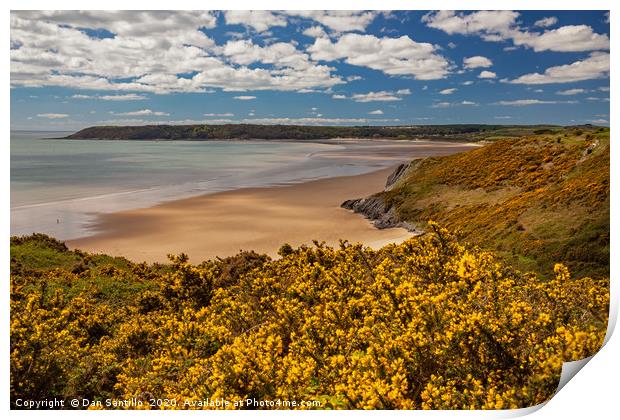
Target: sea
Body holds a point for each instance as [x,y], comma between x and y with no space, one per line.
[59,187]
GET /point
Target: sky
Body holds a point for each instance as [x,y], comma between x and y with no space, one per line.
[72,69]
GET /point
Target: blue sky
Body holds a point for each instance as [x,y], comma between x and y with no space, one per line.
[71,70]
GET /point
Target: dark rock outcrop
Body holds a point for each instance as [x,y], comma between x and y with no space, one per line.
[396,175]
[378,212]
[375,208]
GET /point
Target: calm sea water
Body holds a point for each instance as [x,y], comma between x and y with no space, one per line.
[59,186]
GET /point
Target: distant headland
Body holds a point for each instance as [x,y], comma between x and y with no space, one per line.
[457,132]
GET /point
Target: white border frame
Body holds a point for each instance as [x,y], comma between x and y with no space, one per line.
[592,393]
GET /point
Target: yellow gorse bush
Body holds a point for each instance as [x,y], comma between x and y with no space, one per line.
[535,200]
[427,324]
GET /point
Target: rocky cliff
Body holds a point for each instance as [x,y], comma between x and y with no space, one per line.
[374,208]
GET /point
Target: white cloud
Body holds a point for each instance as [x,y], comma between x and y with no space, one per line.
[244,97]
[502,117]
[287,79]
[476,62]
[393,56]
[143,42]
[604,88]
[259,20]
[126,22]
[271,120]
[486,22]
[594,67]
[226,114]
[569,92]
[315,120]
[127,97]
[159,52]
[485,74]
[381,96]
[314,32]
[376,112]
[449,91]
[526,102]
[570,38]
[143,112]
[546,22]
[453,104]
[599,121]
[51,116]
[467,83]
[495,26]
[138,121]
[280,54]
[219,121]
[338,20]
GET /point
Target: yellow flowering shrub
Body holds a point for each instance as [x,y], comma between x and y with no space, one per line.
[427,324]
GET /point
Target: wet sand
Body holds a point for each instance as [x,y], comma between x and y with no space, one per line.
[259,219]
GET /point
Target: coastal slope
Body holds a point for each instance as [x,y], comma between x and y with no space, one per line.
[536,200]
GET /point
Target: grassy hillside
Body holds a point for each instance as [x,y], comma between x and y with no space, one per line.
[426,324]
[536,200]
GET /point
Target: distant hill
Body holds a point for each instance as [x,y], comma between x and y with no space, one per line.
[536,200]
[300,132]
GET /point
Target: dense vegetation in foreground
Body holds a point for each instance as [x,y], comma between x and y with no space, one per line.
[435,322]
[430,323]
[534,200]
[303,132]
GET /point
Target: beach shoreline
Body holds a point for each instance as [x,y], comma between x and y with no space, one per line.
[84,179]
[260,219]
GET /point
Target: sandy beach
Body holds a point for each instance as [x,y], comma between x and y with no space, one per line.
[259,219]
